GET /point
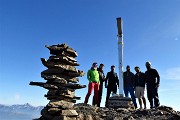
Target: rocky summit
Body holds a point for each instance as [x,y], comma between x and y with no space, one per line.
[88,112]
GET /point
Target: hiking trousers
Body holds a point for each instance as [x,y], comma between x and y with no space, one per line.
[109,90]
[91,86]
[99,95]
[152,94]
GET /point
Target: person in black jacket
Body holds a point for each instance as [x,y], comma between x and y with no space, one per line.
[129,82]
[113,82]
[102,79]
[152,80]
[140,87]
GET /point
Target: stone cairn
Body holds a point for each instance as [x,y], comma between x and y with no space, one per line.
[61,82]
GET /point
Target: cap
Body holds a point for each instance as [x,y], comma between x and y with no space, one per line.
[148,63]
[112,66]
[94,64]
[127,66]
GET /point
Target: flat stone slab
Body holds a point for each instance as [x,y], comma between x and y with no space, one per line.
[58,81]
[60,112]
[60,104]
[63,59]
[58,49]
[50,86]
[119,102]
[49,64]
[56,71]
[75,74]
[60,92]
[73,86]
[72,100]
[63,97]
[68,113]
[118,97]
[60,76]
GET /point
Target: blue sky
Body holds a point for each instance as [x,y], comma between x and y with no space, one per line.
[151,32]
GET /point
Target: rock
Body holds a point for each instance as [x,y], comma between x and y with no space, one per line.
[62,98]
[61,77]
[53,71]
[89,117]
[53,111]
[69,113]
[50,64]
[63,59]
[123,113]
[118,118]
[60,72]
[63,118]
[81,117]
[63,48]
[74,74]
[74,86]
[60,104]
[60,92]
[119,102]
[58,81]
[122,110]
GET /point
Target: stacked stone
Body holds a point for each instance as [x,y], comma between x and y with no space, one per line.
[61,82]
[118,101]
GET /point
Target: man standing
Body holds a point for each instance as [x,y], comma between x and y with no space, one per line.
[129,82]
[140,86]
[93,77]
[113,82]
[102,79]
[152,81]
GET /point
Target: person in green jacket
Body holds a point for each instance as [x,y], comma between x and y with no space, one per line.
[93,77]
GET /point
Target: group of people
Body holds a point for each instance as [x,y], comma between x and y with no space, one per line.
[133,84]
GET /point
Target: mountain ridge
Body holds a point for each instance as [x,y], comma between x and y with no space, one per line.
[19,111]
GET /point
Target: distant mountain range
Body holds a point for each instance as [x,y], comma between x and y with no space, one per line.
[19,112]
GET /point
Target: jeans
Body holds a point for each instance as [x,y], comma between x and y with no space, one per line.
[91,86]
[127,90]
